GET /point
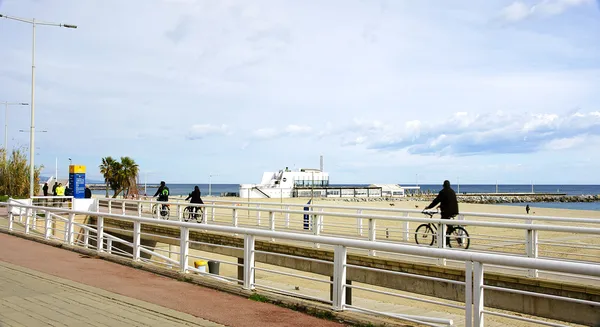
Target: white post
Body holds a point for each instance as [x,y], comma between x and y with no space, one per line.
[235,218]
[86,238]
[123,207]
[372,234]
[109,245]
[321,224]
[212,210]
[287,217]
[184,249]
[272,220]
[34,219]
[48,225]
[27,213]
[204,215]
[71,228]
[477,294]
[248,262]
[531,241]
[468,293]
[100,234]
[139,209]
[137,229]
[339,277]
[359,222]
[406,229]
[258,215]
[109,206]
[441,240]
[11,217]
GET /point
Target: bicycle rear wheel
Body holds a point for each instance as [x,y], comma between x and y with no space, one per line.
[459,238]
[187,214]
[424,235]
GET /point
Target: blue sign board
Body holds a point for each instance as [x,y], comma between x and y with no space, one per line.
[77,184]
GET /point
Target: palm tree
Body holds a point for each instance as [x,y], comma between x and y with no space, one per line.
[108,171]
[129,171]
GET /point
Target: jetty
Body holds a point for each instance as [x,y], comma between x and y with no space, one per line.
[95,186]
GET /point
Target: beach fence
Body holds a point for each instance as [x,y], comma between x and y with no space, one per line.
[471,310]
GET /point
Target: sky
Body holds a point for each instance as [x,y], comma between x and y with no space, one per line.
[398,91]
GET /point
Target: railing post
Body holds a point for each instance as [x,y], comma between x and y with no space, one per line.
[109,206]
[139,209]
[315,226]
[204,215]
[48,225]
[272,220]
[123,207]
[339,277]
[235,218]
[248,262]
[372,233]
[179,212]
[100,234]
[321,223]
[531,241]
[258,215]
[109,245]
[34,220]
[11,218]
[406,229]
[477,294]
[70,229]
[441,240]
[468,294]
[184,238]
[86,238]
[212,212]
[27,214]
[137,229]
[359,222]
[287,217]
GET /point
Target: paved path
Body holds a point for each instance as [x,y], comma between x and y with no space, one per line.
[30,298]
[141,292]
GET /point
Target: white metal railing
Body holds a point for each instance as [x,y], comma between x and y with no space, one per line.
[474,263]
[393,225]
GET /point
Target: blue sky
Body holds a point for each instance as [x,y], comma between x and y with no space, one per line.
[385,90]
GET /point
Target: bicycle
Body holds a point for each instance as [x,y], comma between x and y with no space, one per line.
[192,213]
[457,236]
[164,210]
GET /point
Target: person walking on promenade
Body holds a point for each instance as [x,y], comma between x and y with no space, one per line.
[54,189]
[446,198]
[195,198]
[527,209]
[45,189]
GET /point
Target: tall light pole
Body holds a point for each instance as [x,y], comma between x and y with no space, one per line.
[6,104]
[33,23]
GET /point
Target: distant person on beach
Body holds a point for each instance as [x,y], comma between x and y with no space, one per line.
[448,205]
[527,209]
[45,189]
[195,198]
[162,192]
[54,189]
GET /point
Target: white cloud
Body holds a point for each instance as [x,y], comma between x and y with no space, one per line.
[290,130]
[200,131]
[519,10]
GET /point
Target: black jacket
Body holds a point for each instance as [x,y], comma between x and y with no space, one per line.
[163,193]
[448,203]
[195,196]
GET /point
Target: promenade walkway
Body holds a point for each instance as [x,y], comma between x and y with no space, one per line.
[41,285]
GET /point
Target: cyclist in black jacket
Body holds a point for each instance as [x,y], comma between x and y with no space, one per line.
[448,205]
[195,198]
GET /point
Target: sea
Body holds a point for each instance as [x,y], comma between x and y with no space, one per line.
[222,189]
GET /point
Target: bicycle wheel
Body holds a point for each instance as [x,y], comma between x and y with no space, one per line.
[459,238]
[424,235]
[187,215]
[164,211]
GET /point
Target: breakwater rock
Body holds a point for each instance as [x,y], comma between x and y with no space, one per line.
[483,198]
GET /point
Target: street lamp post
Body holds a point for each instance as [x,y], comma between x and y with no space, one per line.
[6,104]
[33,22]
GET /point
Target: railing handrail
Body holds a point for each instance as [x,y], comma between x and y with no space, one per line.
[398,210]
[485,258]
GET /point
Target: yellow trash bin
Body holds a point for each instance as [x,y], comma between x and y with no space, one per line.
[201,265]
